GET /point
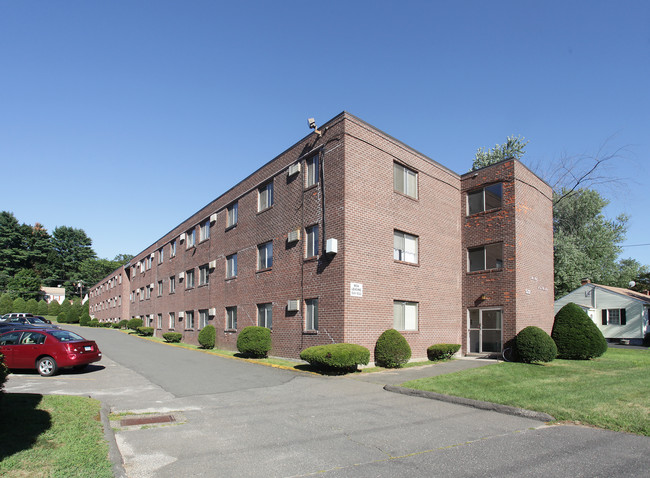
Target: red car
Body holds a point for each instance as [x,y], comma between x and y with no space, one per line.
[47,350]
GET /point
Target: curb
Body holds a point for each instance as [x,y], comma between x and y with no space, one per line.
[114,454]
[495,407]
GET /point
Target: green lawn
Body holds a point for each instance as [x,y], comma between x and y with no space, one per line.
[611,392]
[51,436]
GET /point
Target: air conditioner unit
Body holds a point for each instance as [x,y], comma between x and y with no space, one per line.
[152,255]
[151,285]
[212,312]
[293,305]
[293,236]
[294,169]
[181,315]
[213,217]
[181,238]
[181,275]
[331,246]
[213,264]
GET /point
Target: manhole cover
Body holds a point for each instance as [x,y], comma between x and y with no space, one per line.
[130,421]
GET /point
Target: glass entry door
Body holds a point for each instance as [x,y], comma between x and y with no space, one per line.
[484,330]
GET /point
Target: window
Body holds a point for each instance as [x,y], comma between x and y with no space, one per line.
[405,247]
[160,257]
[172,284]
[191,238]
[614,317]
[204,232]
[265,256]
[148,261]
[311,175]
[172,248]
[160,288]
[265,315]
[172,320]
[231,318]
[159,322]
[485,257]
[147,292]
[189,319]
[311,314]
[189,278]
[203,318]
[141,293]
[265,197]
[231,266]
[311,242]
[132,296]
[231,218]
[204,274]
[405,181]
[405,315]
[484,199]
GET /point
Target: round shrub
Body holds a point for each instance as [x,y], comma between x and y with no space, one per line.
[145,331]
[342,357]
[535,345]
[207,337]
[133,324]
[392,350]
[106,325]
[254,341]
[123,324]
[84,320]
[576,336]
[94,323]
[172,337]
[442,351]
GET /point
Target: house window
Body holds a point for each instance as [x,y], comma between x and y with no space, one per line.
[484,199]
[204,274]
[231,266]
[265,256]
[265,197]
[231,318]
[204,231]
[405,247]
[311,314]
[172,284]
[148,292]
[189,278]
[265,315]
[311,175]
[132,296]
[203,318]
[159,323]
[191,238]
[485,257]
[614,317]
[405,180]
[141,293]
[172,248]
[148,261]
[172,319]
[231,218]
[311,241]
[160,288]
[405,315]
[160,257]
[189,319]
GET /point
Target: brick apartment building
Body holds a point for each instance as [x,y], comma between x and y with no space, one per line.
[348,233]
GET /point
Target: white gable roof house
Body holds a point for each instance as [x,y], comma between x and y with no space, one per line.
[622,315]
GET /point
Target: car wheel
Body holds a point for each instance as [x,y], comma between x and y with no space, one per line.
[46,366]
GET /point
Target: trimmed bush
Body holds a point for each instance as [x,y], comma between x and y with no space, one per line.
[576,336]
[145,331]
[535,345]
[172,337]
[254,341]
[106,325]
[442,351]
[123,324]
[53,308]
[84,320]
[207,337]
[94,323]
[116,325]
[31,306]
[392,350]
[6,303]
[42,307]
[133,324]
[19,305]
[342,357]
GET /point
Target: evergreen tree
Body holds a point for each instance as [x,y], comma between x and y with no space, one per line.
[25,284]
[513,148]
[42,307]
[53,308]
[32,306]
[19,305]
[6,304]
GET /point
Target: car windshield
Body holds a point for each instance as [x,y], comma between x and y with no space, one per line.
[36,320]
[66,335]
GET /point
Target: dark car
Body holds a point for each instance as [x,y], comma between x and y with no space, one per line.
[47,350]
[32,320]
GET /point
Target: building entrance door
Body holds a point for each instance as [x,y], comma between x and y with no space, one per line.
[484,330]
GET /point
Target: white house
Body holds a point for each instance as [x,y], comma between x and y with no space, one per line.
[620,314]
[53,293]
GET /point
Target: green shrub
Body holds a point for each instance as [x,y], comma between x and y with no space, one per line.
[94,323]
[344,357]
[116,325]
[106,325]
[392,350]
[6,303]
[535,345]
[42,307]
[442,351]
[207,337]
[254,341]
[84,320]
[53,308]
[4,371]
[133,324]
[145,331]
[172,337]
[576,336]
[31,306]
[123,324]
[19,305]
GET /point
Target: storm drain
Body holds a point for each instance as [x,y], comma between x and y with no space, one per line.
[148,420]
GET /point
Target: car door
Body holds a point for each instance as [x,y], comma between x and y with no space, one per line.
[28,349]
[8,342]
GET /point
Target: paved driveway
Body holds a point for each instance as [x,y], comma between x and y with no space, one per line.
[237,419]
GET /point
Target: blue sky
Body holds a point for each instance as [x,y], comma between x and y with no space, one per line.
[103,105]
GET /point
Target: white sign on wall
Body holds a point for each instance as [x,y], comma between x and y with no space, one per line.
[356,290]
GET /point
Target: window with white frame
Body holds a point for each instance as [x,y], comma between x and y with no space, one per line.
[141,293]
[485,257]
[265,256]
[172,284]
[405,247]
[159,323]
[311,241]
[160,255]
[311,173]
[172,320]
[311,314]
[265,315]
[405,180]
[231,266]
[204,231]
[405,315]
[485,199]
[204,274]
[189,278]
[265,196]
[203,318]
[147,291]
[189,319]
[190,238]
[614,317]
[172,248]
[231,318]
[160,288]
[231,216]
